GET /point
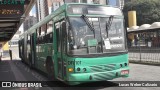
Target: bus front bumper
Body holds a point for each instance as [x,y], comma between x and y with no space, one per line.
[98,76]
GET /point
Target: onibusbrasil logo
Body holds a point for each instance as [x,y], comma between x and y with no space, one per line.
[12,2]
[21,84]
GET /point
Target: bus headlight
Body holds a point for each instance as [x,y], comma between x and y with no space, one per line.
[70,69]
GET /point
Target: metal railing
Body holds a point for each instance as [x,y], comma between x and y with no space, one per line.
[144,52]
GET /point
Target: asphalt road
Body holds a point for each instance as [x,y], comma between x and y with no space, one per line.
[15,70]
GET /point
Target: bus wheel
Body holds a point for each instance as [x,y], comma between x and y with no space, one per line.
[50,69]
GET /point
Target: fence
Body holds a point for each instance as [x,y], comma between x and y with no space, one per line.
[145,52]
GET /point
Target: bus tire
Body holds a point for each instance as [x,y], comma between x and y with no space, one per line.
[50,69]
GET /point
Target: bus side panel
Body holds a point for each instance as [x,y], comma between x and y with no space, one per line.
[42,58]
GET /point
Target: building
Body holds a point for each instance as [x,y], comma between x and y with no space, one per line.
[29,22]
[120,4]
[41,9]
[50,4]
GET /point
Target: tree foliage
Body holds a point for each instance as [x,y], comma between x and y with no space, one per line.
[148,11]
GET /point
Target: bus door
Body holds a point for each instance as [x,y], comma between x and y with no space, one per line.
[33,48]
[61,48]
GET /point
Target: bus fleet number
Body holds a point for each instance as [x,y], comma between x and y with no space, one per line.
[74,62]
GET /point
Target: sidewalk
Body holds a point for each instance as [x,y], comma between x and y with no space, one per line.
[7,66]
[6,56]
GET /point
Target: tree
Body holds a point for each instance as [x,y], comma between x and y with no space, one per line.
[148,11]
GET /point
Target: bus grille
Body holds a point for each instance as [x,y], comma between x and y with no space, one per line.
[103,68]
[104,76]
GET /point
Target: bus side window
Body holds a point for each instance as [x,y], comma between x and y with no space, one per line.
[64,34]
[51,37]
[63,25]
[46,38]
[57,25]
[37,35]
[41,39]
[38,40]
[28,39]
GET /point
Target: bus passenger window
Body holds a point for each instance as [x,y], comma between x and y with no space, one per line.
[63,28]
[71,40]
[51,37]
[49,27]
[57,25]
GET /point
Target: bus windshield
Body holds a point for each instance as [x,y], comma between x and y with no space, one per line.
[83,41]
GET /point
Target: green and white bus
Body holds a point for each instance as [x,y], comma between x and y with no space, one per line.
[78,43]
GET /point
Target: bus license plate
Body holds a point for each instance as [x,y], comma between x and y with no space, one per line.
[124,72]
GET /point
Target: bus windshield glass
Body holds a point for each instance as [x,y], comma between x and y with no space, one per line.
[83,41]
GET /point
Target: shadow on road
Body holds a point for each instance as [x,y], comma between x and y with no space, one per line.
[99,84]
[85,86]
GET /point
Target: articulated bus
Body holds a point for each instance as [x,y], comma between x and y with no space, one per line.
[78,43]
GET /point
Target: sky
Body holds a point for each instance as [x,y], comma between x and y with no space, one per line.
[112,2]
[33,11]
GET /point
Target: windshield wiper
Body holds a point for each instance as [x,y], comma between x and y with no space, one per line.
[109,23]
[85,18]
